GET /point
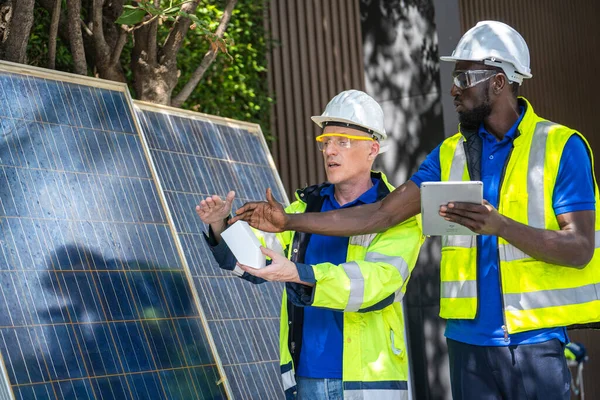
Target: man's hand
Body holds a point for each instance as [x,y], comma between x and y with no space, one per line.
[280,270]
[483,219]
[268,216]
[213,210]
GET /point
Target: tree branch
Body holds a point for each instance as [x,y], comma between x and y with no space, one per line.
[121,41]
[53,35]
[97,29]
[177,34]
[86,28]
[19,28]
[75,36]
[207,60]
[152,38]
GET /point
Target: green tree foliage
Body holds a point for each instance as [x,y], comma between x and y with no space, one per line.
[235,85]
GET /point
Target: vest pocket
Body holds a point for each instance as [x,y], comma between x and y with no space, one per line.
[395,332]
[397,349]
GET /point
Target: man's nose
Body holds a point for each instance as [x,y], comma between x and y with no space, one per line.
[331,149]
[455,90]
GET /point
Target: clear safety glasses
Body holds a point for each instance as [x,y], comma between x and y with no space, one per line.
[340,140]
[472,77]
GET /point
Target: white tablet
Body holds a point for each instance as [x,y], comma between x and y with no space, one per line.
[436,194]
[244,244]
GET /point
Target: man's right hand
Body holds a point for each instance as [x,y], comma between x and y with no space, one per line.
[214,212]
[268,216]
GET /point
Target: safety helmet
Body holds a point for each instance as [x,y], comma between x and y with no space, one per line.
[496,44]
[354,109]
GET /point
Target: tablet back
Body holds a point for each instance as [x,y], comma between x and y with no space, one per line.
[435,194]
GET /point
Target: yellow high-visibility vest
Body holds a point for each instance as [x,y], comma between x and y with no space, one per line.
[369,288]
[535,294]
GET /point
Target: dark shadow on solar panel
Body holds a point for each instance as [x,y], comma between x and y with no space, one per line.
[94,301]
[196,158]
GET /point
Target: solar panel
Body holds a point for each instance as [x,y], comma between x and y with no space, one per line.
[96,301]
[198,155]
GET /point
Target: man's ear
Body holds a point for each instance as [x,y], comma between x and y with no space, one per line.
[499,83]
[374,150]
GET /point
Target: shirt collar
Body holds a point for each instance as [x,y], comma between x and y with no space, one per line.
[511,132]
[368,197]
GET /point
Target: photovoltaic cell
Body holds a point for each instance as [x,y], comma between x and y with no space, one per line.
[197,156]
[95,300]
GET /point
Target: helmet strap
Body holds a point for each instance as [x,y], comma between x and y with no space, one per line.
[349,125]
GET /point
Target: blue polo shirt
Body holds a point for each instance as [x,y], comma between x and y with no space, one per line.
[574,191]
[322,330]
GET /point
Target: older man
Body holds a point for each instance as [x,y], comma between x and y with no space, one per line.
[342,322]
[535,268]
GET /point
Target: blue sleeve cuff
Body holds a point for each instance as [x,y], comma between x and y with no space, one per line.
[227,261]
[306,273]
[299,295]
[417,181]
[221,252]
[575,207]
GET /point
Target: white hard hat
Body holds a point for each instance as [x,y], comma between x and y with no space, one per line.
[496,44]
[355,109]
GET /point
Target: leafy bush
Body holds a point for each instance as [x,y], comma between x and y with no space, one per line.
[235,86]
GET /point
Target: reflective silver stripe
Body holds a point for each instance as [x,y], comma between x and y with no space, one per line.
[288,379]
[397,262]
[237,271]
[535,176]
[552,298]
[465,241]
[395,350]
[272,242]
[458,289]
[376,394]
[357,286]
[597,239]
[363,240]
[398,296]
[459,161]
[508,253]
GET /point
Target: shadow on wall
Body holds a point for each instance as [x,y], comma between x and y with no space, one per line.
[402,72]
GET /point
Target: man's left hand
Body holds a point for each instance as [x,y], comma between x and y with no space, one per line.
[280,270]
[483,219]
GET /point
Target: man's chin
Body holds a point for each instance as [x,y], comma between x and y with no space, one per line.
[468,123]
[333,178]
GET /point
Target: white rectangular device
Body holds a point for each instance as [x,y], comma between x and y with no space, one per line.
[436,194]
[244,245]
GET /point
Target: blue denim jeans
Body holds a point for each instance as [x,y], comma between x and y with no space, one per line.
[319,389]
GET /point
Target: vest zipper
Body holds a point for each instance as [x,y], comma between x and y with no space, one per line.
[504,327]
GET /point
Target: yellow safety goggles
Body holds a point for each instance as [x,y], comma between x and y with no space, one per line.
[340,140]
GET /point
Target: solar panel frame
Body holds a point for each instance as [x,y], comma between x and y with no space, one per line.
[18,69]
[222,320]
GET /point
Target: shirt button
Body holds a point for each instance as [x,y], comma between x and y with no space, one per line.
[492,157]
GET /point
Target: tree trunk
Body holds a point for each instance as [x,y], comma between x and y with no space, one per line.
[14,48]
[53,34]
[154,82]
[106,69]
[75,38]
